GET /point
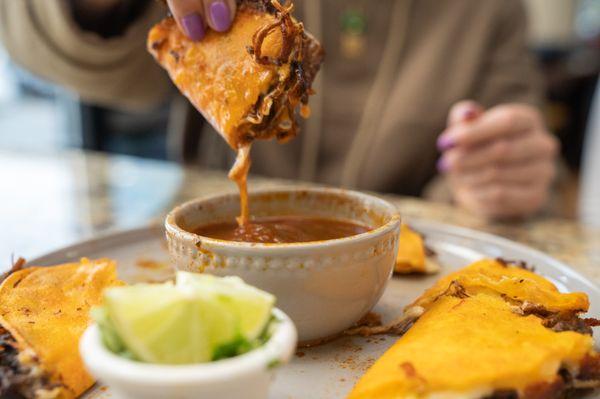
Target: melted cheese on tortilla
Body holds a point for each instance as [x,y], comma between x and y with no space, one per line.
[515,283]
[217,74]
[411,256]
[46,309]
[470,346]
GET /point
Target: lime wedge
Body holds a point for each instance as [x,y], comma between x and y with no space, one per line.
[170,325]
[250,306]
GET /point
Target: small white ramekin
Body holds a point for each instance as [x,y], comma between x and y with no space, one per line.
[247,376]
[325,286]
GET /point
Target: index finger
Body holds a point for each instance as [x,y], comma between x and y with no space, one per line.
[219,13]
[500,122]
[189,15]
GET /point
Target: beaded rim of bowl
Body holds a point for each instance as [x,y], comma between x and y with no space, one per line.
[177,233]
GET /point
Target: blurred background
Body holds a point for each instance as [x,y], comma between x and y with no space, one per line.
[565,37]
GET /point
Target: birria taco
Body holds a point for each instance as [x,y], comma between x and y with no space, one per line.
[414,257]
[43,313]
[248,82]
[493,330]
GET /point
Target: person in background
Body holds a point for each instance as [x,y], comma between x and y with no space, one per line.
[404,81]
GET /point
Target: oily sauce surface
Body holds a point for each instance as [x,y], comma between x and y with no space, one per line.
[284,229]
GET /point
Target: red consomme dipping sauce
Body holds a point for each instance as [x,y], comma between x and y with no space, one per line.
[282,229]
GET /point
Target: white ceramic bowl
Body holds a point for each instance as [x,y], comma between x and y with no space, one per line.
[247,376]
[324,286]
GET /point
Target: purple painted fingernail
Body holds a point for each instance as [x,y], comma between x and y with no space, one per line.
[469,114]
[442,165]
[445,142]
[193,26]
[220,16]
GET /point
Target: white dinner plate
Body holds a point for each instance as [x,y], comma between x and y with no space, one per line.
[329,371]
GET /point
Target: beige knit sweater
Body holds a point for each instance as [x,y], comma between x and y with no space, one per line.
[377,118]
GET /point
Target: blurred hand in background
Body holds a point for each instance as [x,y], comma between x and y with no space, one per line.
[194,17]
[500,162]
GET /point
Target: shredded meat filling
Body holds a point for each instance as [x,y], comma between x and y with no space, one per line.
[519,263]
[274,112]
[19,381]
[564,321]
[565,385]
[291,32]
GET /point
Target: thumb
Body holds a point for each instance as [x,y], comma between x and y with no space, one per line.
[189,15]
[464,111]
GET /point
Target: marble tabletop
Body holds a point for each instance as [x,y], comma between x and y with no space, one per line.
[48,201]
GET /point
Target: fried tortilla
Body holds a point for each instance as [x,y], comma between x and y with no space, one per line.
[247,82]
[413,256]
[43,313]
[491,330]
